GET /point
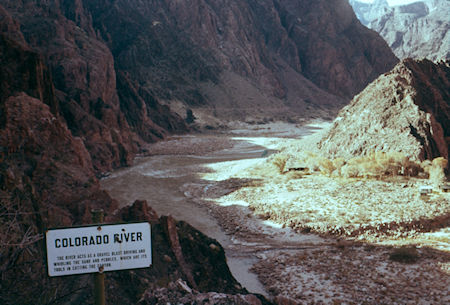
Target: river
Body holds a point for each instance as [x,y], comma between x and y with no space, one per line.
[172,184]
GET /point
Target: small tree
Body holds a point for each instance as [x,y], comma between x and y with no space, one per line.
[326,167]
[279,161]
[436,171]
[338,164]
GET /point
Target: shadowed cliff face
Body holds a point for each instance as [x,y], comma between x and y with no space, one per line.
[336,52]
[243,55]
[406,110]
[46,174]
[84,77]
[43,165]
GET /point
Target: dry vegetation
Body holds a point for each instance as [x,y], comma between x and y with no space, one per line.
[373,197]
[389,238]
[375,165]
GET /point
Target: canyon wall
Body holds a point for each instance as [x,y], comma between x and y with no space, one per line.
[84,84]
[129,72]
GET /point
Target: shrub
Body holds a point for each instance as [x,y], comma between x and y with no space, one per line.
[436,170]
[326,166]
[279,161]
[376,164]
[407,255]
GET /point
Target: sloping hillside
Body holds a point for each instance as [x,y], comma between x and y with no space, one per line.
[406,110]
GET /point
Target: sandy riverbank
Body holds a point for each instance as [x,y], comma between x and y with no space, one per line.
[266,213]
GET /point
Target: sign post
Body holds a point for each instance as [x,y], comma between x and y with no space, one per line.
[99,277]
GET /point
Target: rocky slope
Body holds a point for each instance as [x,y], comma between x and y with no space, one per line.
[406,110]
[417,30]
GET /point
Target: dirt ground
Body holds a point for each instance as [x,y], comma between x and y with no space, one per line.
[317,239]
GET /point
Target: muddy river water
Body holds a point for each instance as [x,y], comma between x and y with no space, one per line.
[165,180]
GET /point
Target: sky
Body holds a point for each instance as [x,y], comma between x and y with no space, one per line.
[392,2]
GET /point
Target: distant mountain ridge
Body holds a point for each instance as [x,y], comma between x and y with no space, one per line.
[417,30]
[367,12]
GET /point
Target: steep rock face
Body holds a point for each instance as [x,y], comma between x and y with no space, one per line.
[122,68]
[38,151]
[46,174]
[84,75]
[406,110]
[60,174]
[84,78]
[23,69]
[417,30]
[242,57]
[336,52]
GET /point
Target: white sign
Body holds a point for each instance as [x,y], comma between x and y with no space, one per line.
[98,248]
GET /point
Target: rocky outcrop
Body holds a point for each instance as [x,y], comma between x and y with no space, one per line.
[202,258]
[38,150]
[406,110]
[84,77]
[60,175]
[417,30]
[180,292]
[46,174]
